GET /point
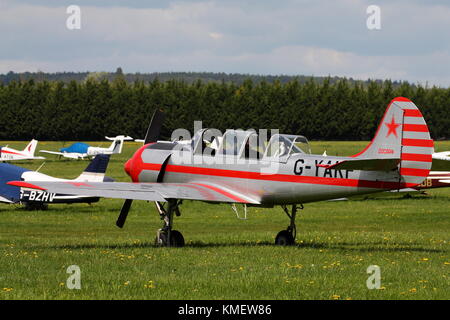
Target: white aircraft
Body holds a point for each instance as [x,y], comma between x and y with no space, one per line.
[39,199]
[442,155]
[10,154]
[82,150]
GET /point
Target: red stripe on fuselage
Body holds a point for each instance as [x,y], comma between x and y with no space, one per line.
[11,152]
[225,193]
[206,193]
[280,177]
[24,184]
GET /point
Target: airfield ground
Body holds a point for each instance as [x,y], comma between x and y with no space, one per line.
[226,258]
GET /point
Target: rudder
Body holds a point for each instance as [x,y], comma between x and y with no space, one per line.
[95,171]
[31,148]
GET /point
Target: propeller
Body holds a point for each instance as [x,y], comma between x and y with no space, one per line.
[154,129]
[124,213]
[153,132]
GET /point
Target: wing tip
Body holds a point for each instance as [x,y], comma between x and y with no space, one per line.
[23,184]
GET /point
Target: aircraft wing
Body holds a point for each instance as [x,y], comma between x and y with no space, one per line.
[364,164]
[65,154]
[5,200]
[205,191]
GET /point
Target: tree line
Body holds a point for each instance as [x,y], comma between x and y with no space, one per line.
[327,110]
[189,77]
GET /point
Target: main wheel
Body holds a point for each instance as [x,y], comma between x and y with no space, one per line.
[284,238]
[176,239]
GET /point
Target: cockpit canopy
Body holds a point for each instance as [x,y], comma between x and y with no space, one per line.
[245,144]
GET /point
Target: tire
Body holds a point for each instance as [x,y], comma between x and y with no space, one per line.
[284,238]
[176,239]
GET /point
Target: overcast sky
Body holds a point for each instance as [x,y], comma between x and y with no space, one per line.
[316,37]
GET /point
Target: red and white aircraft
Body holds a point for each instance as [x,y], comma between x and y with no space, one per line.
[436,179]
[169,172]
[10,154]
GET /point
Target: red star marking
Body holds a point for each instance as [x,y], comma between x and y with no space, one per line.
[392,127]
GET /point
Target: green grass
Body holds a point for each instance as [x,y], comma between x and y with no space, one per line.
[226,258]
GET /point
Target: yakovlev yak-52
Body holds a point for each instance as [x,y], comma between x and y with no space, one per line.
[10,154]
[82,150]
[398,157]
[39,199]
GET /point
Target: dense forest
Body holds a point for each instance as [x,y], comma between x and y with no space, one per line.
[90,109]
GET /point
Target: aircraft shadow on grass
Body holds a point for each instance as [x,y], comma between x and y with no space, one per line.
[347,246]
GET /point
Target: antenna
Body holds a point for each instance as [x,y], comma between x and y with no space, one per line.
[40,167]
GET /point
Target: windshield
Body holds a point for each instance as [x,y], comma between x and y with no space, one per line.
[283,145]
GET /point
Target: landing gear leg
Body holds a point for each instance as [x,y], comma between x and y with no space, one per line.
[166,236]
[287,237]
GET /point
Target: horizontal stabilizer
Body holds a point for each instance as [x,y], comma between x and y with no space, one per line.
[442,155]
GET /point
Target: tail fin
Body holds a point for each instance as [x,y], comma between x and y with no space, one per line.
[95,171]
[116,146]
[31,148]
[403,134]
[117,143]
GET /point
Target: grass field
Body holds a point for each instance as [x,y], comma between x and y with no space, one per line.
[226,258]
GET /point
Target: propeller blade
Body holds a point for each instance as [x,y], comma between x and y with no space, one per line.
[124,213]
[154,129]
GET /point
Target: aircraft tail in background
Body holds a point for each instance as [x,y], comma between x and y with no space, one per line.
[30,148]
[117,144]
[95,171]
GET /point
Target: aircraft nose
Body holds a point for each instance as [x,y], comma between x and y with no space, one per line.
[134,165]
[127,167]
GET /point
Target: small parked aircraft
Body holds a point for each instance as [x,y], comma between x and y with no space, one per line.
[82,150]
[39,199]
[398,157]
[10,154]
[442,155]
[436,179]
